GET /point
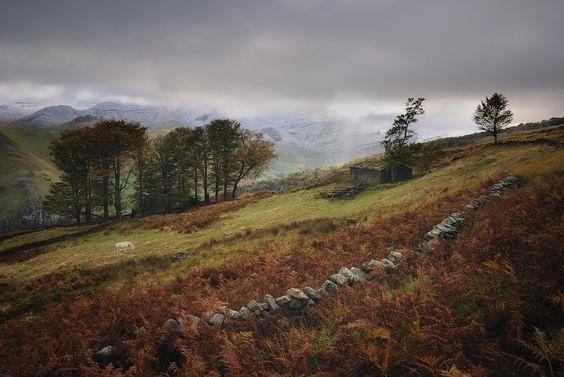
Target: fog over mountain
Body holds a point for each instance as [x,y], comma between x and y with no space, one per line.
[340,60]
[300,142]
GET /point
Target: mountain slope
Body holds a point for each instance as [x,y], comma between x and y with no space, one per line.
[52,115]
[11,112]
[25,168]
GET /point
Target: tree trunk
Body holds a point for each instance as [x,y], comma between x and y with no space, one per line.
[216,187]
[140,178]
[77,213]
[117,187]
[88,204]
[495,136]
[106,196]
[206,193]
[225,184]
[234,192]
[196,185]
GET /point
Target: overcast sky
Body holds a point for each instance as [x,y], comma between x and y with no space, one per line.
[343,58]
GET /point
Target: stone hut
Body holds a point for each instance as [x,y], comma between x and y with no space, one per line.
[376,174]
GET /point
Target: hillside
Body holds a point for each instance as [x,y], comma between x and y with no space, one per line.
[25,168]
[470,307]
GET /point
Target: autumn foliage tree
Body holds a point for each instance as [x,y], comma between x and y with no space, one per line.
[493,114]
[251,158]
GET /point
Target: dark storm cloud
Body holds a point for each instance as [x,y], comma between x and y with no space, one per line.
[301,51]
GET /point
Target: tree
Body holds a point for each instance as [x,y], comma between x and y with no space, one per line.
[162,156]
[71,154]
[399,136]
[224,137]
[181,144]
[141,150]
[252,157]
[103,160]
[65,199]
[121,140]
[492,114]
[200,160]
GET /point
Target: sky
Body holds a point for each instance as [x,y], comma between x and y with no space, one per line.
[345,59]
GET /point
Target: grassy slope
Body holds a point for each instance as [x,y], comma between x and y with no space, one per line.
[467,309]
[235,269]
[25,169]
[473,166]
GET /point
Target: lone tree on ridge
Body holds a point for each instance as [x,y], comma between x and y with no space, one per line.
[401,134]
[493,114]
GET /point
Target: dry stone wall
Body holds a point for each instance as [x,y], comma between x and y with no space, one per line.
[295,300]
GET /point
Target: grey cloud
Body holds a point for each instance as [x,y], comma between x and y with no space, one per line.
[267,51]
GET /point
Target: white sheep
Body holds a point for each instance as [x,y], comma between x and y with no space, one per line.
[123,246]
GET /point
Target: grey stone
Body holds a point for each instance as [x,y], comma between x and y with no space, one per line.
[298,304]
[195,320]
[371,265]
[338,279]
[263,306]
[367,266]
[244,312]
[475,204]
[361,274]
[312,293]
[232,314]
[329,287]
[271,302]
[105,352]
[296,293]
[351,278]
[216,319]
[388,263]
[171,323]
[395,256]
[283,300]
[253,306]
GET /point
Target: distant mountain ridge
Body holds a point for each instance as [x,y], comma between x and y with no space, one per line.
[12,112]
[150,116]
[52,115]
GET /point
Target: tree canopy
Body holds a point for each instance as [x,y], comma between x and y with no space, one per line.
[401,134]
[171,172]
[493,114]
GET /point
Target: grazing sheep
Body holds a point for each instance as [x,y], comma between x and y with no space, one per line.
[123,246]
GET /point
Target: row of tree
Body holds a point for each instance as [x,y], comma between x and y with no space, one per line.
[102,163]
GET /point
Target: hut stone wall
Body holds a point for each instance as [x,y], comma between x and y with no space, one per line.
[380,175]
[371,176]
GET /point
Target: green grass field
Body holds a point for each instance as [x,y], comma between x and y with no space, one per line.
[479,164]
